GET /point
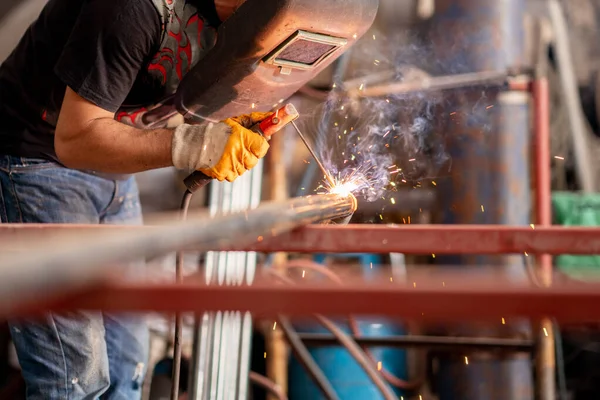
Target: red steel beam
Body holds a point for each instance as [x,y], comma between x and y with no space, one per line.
[436,239]
[452,301]
[408,239]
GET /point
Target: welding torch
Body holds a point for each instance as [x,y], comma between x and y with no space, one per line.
[266,128]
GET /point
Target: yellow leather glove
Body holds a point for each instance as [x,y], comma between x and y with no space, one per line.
[243,148]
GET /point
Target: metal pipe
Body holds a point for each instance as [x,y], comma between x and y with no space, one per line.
[430,342]
[72,261]
[579,132]
[432,84]
[546,362]
[543,193]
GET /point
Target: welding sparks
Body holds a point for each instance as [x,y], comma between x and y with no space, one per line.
[344,189]
[559,157]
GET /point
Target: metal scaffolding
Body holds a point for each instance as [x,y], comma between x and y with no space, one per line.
[273,227]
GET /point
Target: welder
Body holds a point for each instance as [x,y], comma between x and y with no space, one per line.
[70,95]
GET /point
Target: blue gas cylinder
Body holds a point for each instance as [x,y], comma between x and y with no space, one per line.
[346,376]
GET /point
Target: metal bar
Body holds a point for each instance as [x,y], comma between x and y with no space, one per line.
[429,342]
[437,239]
[433,83]
[546,362]
[543,194]
[570,92]
[429,299]
[409,239]
[71,261]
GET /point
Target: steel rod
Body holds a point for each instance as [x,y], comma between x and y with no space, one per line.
[430,342]
[430,299]
[71,261]
[546,361]
[432,83]
[408,239]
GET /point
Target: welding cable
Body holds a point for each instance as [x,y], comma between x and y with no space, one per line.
[267,384]
[389,377]
[360,357]
[185,205]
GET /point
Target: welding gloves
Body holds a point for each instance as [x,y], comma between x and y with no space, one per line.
[222,151]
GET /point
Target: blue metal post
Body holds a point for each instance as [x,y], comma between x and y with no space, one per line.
[488,140]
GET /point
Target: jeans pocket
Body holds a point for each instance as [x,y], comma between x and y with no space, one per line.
[23,164]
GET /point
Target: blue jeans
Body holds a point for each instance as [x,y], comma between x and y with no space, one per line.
[79,355]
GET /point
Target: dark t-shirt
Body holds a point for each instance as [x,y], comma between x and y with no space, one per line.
[107,51]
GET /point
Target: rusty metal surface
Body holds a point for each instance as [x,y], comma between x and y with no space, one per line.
[410,239]
[463,298]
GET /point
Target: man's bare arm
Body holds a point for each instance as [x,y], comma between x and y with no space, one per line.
[88,137]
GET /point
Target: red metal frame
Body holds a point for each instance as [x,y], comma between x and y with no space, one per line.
[429,299]
[407,239]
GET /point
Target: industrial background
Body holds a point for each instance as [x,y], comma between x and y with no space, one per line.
[477,126]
